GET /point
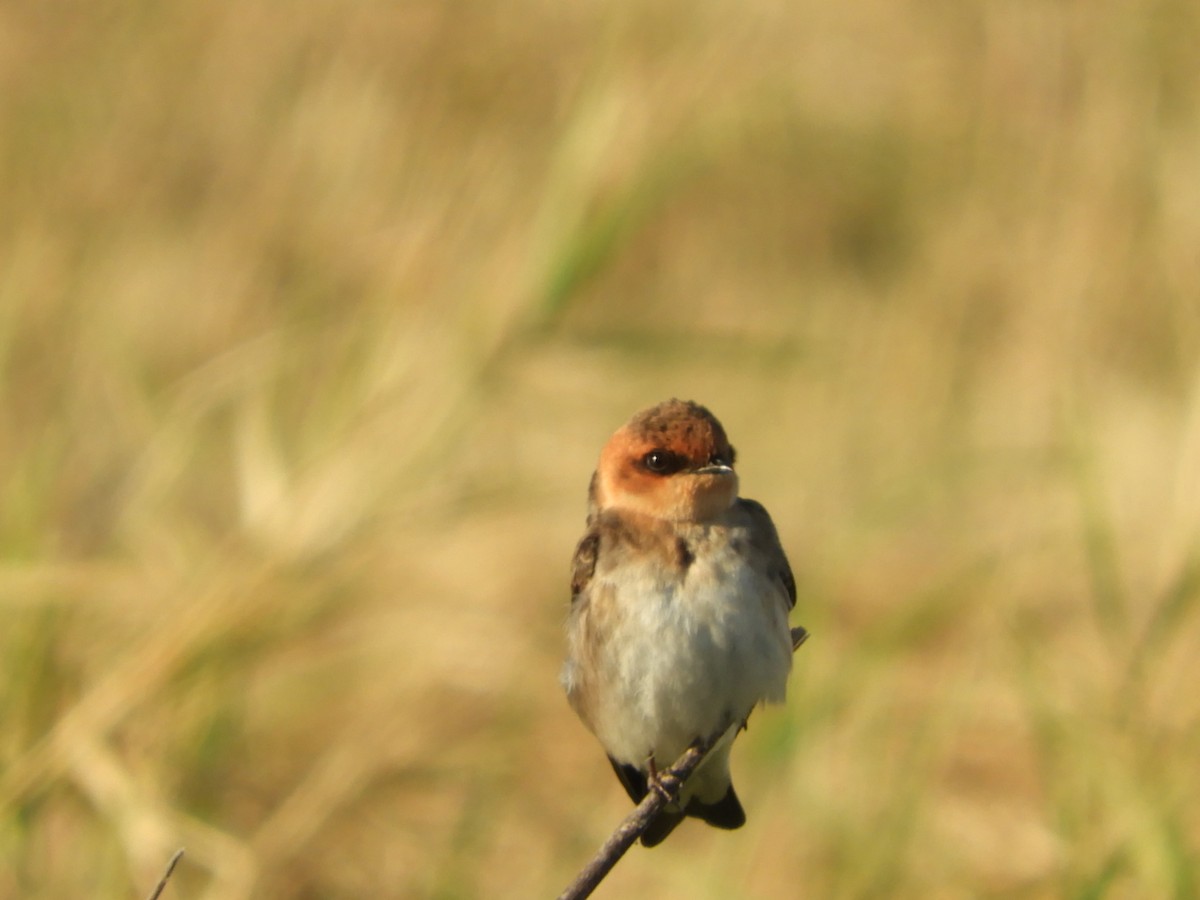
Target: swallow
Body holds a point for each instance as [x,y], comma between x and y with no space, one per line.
[680,595]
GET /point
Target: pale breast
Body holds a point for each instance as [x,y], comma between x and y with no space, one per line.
[672,644]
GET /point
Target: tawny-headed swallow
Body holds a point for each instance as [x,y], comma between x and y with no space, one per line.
[680,595]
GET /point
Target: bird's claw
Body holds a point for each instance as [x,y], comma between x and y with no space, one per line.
[665,784]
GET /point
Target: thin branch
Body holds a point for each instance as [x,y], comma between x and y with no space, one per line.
[162,882]
[643,814]
[637,821]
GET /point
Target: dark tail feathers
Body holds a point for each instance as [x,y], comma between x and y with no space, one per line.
[725,813]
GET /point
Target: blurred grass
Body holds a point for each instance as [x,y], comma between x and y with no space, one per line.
[312,322]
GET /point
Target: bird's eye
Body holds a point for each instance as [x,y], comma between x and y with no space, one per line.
[661,462]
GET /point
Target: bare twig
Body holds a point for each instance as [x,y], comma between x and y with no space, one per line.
[162,882]
[799,636]
[637,821]
[643,814]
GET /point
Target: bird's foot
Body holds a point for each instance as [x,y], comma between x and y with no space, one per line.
[665,784]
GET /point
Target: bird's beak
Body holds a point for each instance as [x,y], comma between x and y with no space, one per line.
[714,470]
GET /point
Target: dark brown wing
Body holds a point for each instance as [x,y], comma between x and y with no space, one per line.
[631,778]
[583,566]
[766,541]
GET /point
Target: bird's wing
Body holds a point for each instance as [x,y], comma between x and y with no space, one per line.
[583,565]
[765,540]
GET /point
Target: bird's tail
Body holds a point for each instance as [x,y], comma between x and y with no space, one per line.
[725,813]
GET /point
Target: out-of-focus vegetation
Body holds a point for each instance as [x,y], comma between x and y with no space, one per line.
[314,316]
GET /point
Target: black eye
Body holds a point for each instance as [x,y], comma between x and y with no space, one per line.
[661,462]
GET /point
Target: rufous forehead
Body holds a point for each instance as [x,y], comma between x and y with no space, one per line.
[682,426]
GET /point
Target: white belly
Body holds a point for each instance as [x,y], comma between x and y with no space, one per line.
[684,657]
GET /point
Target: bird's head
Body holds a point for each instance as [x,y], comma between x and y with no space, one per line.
[672,461]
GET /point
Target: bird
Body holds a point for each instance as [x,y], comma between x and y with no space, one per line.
[680,597]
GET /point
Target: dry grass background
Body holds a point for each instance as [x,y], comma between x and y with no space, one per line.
[313,317]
